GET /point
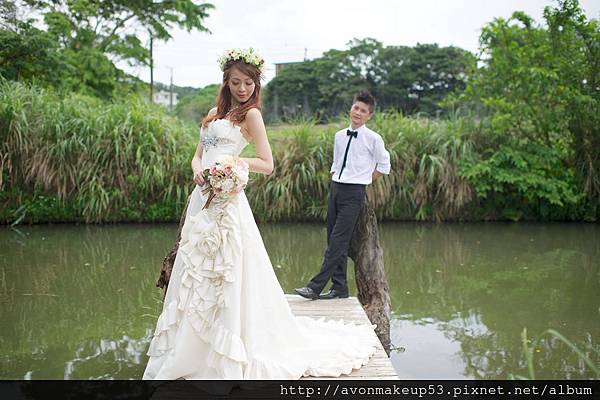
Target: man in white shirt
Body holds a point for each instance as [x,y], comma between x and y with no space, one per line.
[359,157]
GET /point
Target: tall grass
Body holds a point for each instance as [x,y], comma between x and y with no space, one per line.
[298,187]
[423,184]
[76,158]
[529,346]
[101,158]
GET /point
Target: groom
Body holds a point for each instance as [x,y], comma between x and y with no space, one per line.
[359,157]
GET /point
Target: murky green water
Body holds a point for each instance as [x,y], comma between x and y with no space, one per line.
[79,302]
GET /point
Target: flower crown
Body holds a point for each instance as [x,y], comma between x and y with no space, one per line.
[249,56]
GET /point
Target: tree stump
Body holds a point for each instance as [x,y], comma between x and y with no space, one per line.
[371,282]
[169,260]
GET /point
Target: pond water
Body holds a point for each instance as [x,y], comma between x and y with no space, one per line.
[80,302]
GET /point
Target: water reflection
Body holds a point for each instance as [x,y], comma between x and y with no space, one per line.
[428,351]
[121,357]
[80,302]
[485,282]
[71,292]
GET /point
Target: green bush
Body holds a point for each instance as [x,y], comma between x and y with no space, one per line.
[520,181]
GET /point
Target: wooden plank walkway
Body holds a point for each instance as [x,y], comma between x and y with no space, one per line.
[379,366]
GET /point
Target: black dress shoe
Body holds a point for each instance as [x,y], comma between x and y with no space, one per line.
[307,293]
[332,294]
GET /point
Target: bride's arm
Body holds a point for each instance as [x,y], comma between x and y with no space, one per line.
[197,165]
[263,162]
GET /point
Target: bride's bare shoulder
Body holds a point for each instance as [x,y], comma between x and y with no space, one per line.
[252,119]
[206,120]
[254,111]
[254,115]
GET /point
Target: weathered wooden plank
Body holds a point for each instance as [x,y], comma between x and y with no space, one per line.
[350,310]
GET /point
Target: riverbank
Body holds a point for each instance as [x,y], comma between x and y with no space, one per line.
[78,159]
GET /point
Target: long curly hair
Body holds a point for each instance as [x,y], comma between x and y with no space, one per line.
[224,97]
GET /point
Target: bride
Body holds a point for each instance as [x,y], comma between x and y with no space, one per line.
[225,315]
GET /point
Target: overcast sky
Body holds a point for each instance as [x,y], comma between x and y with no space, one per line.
[286,30]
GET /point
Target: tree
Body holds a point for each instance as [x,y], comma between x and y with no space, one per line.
[540,86]
[28,53]
[417,79]
[93,35]
[409,79]
[194,107]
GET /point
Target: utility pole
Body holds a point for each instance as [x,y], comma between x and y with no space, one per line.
[151,71]
[171,90]
[305,51]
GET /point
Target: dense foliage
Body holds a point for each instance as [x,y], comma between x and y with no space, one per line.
[194,107]
[408,79]
[540,88]
[78,159]
[84,39]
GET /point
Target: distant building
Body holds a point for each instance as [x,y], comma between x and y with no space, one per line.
[164,98]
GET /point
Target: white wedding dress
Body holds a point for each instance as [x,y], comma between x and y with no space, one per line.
[225,315]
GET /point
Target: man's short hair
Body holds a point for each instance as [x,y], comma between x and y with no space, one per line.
[366,98]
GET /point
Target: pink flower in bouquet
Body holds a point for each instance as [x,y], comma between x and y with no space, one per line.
[227,177]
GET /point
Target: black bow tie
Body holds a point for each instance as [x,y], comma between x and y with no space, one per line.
[352,133]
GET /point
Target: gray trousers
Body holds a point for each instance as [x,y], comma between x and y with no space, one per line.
[343,209]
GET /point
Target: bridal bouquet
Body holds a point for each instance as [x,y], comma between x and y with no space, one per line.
[226,178]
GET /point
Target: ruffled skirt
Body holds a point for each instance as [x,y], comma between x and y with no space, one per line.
[225,315]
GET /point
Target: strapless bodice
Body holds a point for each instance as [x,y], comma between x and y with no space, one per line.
[221,137]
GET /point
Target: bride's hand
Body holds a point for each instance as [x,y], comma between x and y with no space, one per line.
[198,179]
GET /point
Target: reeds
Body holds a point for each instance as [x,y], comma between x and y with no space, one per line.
[101,157]
[424,182]
[551,337]
[298,187]
[119,161]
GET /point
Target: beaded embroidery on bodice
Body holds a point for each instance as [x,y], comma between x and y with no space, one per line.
[221,137]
